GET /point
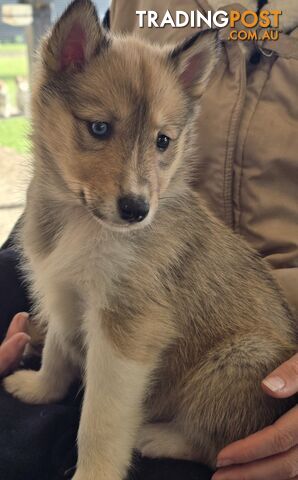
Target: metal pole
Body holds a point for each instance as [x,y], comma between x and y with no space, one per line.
[29,43]
[42,11]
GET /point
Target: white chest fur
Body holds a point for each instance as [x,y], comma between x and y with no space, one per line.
[76,281]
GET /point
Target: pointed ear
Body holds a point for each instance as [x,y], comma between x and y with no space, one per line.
[195,59]
[75,38]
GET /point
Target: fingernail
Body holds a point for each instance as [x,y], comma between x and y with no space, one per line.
[22,315]
[224,463]
[21,319]
[23,340]
[275,384]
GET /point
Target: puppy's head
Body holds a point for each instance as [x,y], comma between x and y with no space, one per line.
[112,115]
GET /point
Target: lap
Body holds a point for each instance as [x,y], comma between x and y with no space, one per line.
[39,442]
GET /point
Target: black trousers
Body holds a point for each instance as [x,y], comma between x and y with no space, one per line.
[39,442]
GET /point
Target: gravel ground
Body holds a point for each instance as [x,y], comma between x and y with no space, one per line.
[14,177]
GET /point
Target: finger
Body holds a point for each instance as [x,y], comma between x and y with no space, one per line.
[18,324]
[283,382]
[280,467]
[11,351]
[278,438]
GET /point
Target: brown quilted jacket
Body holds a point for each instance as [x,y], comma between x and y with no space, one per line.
[247,138]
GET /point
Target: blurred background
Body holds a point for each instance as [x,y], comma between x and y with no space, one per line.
[22,24]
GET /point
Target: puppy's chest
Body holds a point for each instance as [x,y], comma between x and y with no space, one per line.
[94,265]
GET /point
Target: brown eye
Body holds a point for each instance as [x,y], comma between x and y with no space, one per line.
[162,142]
[100,130]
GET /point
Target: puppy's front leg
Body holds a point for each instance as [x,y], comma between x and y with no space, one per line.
[111,413]
[51,382]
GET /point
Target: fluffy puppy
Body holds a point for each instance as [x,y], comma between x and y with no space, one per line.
[170,318]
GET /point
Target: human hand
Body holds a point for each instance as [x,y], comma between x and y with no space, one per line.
[271,454]
[13,346]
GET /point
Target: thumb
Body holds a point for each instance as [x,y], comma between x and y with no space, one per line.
[283,382]
[11,352]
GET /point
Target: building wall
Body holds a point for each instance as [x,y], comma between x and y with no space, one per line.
[8,33]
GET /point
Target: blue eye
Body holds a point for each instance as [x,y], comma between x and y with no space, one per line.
[100,130]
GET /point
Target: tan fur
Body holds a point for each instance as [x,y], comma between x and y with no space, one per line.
[173,322]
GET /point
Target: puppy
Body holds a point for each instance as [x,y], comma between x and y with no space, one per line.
[170,318]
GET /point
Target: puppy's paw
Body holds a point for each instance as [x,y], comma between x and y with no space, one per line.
[79,476]
[150,440]
[161,440]
[82,475]
[29,387]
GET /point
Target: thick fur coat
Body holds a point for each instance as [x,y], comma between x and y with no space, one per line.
[172,321]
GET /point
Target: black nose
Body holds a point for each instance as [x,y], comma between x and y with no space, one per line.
[133,209]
